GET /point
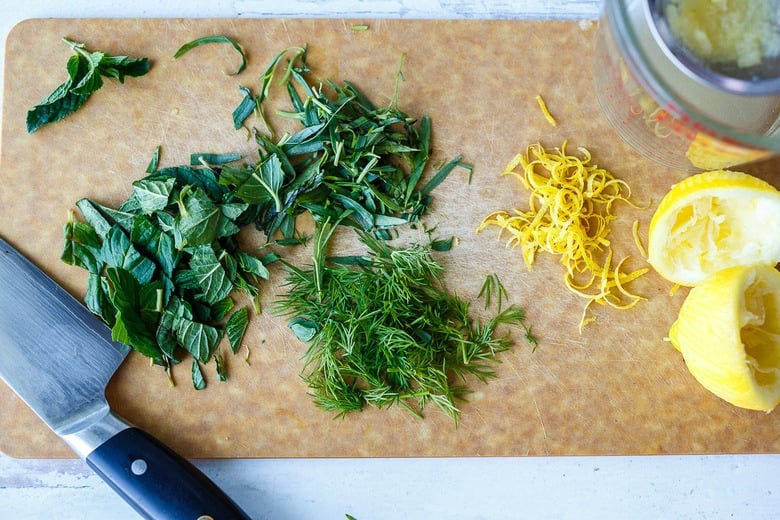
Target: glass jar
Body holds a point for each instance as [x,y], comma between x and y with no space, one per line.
[674,109]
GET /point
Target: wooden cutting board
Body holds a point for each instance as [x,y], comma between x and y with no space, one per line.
[615,388]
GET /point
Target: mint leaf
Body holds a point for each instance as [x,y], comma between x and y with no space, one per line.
[252,265]
[151,281]
[120,66]
[198,380]
[198,339]
[199,218]
[61,102]
[235,328]
[211,276]
[85,77]
[133,304]
[257,185]
[82,246]
[152,242]
[153,194]
[118,251]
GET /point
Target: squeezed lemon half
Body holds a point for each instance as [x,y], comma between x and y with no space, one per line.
[728,332]
[712,221]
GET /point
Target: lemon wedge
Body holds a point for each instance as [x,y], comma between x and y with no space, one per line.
[728,332]
[711,221]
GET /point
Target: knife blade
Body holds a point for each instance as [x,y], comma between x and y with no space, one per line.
[59,357]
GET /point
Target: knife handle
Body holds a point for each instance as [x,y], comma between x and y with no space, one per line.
[158,483]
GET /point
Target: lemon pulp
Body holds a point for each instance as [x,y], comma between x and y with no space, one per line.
[740,31]
[711,221]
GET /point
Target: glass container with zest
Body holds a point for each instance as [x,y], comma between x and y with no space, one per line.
[675,107]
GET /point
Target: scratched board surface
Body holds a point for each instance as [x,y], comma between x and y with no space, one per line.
[617,387]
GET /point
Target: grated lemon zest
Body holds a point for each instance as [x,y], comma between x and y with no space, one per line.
[570,211]
[547,115]
[638,239]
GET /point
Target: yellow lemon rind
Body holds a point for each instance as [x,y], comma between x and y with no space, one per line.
[709,334]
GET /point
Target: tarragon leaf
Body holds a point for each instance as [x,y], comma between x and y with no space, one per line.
[244,109]
[268,74]
[442,174]
[218,38]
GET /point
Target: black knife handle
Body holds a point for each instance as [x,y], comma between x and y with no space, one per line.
[158,483]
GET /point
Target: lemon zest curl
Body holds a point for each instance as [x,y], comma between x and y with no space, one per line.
[570,210]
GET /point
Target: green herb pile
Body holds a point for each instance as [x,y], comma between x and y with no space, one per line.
[349,155]
[383,330]
[85,76]
[163,264]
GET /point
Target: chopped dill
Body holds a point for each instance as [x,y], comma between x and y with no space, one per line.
[382,330]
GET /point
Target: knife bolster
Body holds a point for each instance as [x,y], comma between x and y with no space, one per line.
[84,442]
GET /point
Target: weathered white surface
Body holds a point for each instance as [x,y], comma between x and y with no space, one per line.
[567,487]
[452,489]
[423,8]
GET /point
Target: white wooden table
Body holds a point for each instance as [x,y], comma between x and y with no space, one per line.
[695,487]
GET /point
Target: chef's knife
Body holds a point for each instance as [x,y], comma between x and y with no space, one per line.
[58,357]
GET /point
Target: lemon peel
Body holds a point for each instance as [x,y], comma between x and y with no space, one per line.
[546,111]
[570,210]
[638,239]
[728,331]
[708,153]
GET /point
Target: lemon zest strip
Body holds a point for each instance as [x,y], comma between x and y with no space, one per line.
[547,115]
[638,239]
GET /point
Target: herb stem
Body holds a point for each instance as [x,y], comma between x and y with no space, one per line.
[367,168]
[76,47]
